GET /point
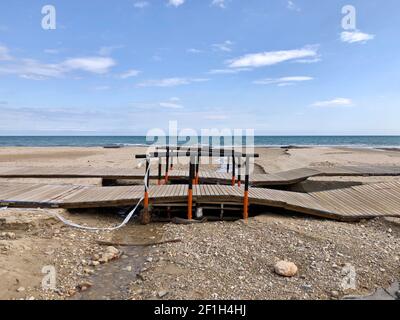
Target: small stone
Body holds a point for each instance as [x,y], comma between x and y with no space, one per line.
[31,298]
[88,271]
[334,294]
[21,289]
[285,268]
[94,263]
[112,250]
[162,293]
[84,286]
[306,287]
[149,259]
[128,268]
[390,230]
[96,257]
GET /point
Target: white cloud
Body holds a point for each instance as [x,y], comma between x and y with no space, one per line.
[129,74]
[292,6]
[170,82]
[35,70]
[176,3]
[4,53]
[228,71]
[312,60]
[141,4]
[284,81]
[272,57]
[193,50]
[98,65]
[170,105]
[224,46]
[356,36]
[219,3]
[337,102]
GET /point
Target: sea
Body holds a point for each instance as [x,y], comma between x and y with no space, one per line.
[267,141]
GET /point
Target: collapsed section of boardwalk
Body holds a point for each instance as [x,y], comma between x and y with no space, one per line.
[207,177]
[349,204]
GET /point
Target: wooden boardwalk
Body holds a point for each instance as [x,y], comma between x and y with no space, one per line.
[206,177]
[359,202]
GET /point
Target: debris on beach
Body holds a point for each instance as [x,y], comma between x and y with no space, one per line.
[285,268]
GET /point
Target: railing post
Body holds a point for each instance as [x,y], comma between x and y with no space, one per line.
[172,158]
[233,168]
[227,165]
[246,191]
[198,164]
[159,171]
[239,172]
[167,166]
[145,219]
[190,189]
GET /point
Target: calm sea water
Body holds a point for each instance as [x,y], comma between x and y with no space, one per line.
[86,141]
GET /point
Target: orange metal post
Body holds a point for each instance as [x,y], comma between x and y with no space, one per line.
[190,189]
[246,205]
[190,203]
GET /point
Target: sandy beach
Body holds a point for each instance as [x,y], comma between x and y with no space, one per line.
[221,260]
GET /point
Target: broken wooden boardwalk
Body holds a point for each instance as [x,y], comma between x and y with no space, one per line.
[206,177]
[349,204]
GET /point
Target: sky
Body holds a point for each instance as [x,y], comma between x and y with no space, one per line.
[300,67]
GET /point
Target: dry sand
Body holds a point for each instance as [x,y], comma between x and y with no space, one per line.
[215,260]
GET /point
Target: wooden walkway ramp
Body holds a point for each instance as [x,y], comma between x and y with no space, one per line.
[206,177]
[359,202]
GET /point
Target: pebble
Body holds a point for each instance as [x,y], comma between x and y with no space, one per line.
[285,268]
[21,289]
[88,271]
[84,286]
[162,293]
[8,235]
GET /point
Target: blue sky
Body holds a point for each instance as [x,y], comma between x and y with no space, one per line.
[124,67]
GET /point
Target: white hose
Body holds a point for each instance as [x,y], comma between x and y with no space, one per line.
[126,220]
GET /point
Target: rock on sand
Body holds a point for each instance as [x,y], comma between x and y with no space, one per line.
[285,268]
